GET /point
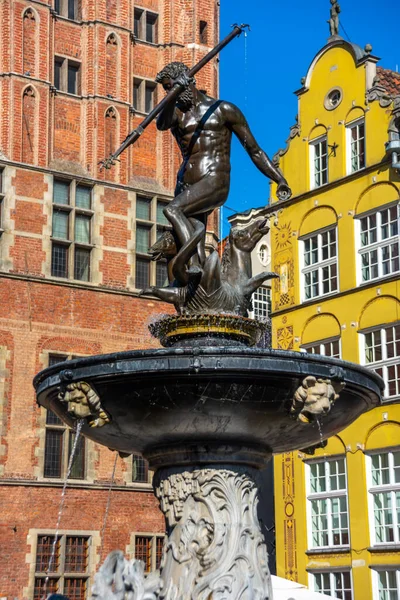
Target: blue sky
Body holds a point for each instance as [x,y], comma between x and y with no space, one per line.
[260,73]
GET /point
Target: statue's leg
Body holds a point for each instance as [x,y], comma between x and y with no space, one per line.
[201,197]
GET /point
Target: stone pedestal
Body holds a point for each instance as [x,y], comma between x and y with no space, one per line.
[215,549]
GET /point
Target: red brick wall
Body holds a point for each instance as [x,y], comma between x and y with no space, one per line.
[68,136]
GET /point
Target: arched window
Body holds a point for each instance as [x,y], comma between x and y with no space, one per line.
[29,43]
[112,64]
[28,126]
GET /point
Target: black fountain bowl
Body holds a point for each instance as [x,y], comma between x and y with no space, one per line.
[172,398]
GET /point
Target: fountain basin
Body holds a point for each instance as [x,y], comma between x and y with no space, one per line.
[181,405]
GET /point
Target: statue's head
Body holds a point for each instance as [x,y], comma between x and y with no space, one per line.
[167,77]
[245,238]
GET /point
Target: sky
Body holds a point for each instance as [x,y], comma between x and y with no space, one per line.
[260,72]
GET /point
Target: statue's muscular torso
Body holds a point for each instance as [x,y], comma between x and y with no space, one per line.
[204,138]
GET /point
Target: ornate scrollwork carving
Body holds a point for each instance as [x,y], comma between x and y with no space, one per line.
[84,403]
[120,579]
[378,93]
[314,398]
[216,548]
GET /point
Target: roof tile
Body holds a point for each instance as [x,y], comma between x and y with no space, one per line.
[390,80]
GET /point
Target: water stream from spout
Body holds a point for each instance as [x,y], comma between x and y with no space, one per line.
[78,429]
[103,529]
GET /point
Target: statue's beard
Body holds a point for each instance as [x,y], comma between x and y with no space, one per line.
[185,100]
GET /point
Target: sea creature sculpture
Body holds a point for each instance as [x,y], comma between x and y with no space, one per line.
[218,286]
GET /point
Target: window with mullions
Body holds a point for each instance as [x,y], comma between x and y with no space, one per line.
[319,162]
[148,548]
[145,25]
[320,271]
[71,235]
[150,225]
[355,146]
[261,301]
[381,352]
[379,243]
[336,584]
[69,571]
[67,8]
[67,75]
[386,584]
[384,496]
[140,469]
[327,503]
[143,95]
[59,441]
[324,348]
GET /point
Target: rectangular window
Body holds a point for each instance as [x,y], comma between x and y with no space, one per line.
[142,279]
[261,301]
[327,503]
[67,8]
[384,497]
[336,584]
[386,584]
[71,234]
[148,548]
[203,33]
[161,274]
[69,571]
[67,75]
[379,243]
[324,348]
[59,441]
[355,146]
[151,27]
[145,25]
[381,352]
[137,22]
[319,162]
[319,272]
[140,469]
[143,95]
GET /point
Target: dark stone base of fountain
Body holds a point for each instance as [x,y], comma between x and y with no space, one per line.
[208,330]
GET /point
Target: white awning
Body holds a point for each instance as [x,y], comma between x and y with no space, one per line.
[290,590]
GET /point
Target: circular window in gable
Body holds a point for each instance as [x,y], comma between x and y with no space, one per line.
[333,98]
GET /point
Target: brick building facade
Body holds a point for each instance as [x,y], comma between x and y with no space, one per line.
[75,77]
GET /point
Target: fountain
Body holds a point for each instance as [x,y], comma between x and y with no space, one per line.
[209,408]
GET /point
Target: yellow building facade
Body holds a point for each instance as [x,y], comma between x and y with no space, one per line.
[335,244]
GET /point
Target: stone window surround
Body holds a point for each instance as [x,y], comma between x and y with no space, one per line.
[65,62]
[142,84]
[30,557]
[71,243]
[140,16]
[147,534]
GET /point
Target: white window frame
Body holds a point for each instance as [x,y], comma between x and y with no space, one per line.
[349,146]
[385,362]
[266,302]
[313,145]
[375,246]
[327,495]
[322,346]
[312,577]
[375,582]
[319,265]
[392,488]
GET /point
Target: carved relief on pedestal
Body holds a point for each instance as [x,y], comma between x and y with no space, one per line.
[84,403]
[216,548]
